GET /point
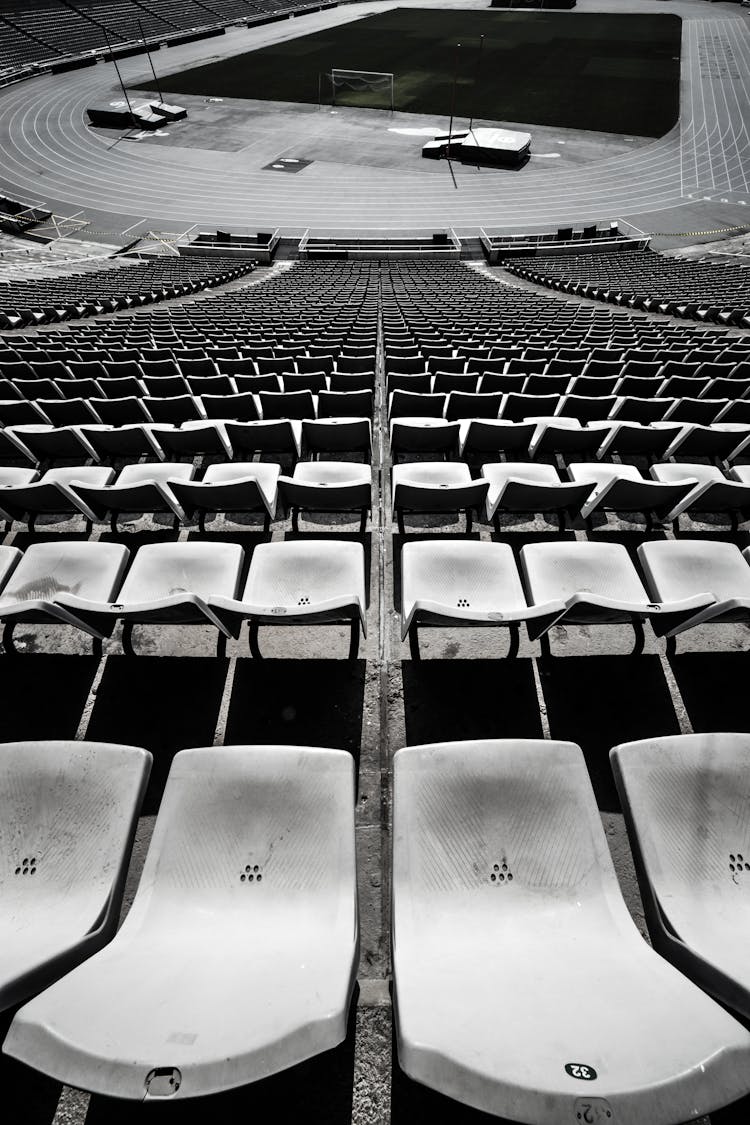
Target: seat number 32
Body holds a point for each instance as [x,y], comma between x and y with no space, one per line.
[580,1070]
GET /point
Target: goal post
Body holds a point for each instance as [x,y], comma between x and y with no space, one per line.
[360,81]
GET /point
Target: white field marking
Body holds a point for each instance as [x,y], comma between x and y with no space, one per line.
[416,132]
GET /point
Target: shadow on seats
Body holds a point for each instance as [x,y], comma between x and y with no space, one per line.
[44,694]
[319,1090]
[713,686]
[29,1098]
[297,702]
[599,702]
[448,700]
[163,703]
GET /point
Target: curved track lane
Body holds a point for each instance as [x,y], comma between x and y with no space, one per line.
[48,153]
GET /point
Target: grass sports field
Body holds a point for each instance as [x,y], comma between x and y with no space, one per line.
[611,73]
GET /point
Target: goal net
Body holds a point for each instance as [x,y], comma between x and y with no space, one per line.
[361,82]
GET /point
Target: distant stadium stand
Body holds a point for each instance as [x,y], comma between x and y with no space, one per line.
[40,32]
[72,296]
[701,290]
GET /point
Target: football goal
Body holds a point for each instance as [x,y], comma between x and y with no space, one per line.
[336,82]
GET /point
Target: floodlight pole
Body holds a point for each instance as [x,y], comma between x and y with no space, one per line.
[453,100]
[114,60]
[150,62]
[476,80]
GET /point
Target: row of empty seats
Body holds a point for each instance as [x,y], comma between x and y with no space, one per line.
[96,492]
[124,400]
[42,31]
[475,439]
[522,985]
[44,444]
[516,407]
[71,296]
[717,381]
[520,487]
[319,369]
[127,404]
[413,356]
[681,584]
[705,291]
[85,585]
[171,488]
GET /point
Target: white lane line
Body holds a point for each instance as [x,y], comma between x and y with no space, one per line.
[652,180]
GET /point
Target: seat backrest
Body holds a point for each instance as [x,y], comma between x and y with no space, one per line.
[463,405]
[473,819]
[276,823]
[352,404]
[119,411]
[405,404]
[289,404]
[686,799]
[518,407]
[67,815]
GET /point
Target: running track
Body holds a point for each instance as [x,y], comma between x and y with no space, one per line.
[48,153]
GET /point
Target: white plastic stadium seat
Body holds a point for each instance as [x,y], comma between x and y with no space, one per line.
[636,437]
[239,954]
[52,493]
[436,486]
[249,486]
[482,436]
[68,812]
[724,440]
[686,799]
[623,488]
[424,435]
[51,578]
[677,569]
[168,584]
[328,486]
[138,488]
[521,487]
[193,438]
[59,442]
[596,583]
[567,435]
[462,583]
[300,582]
[9,560]
[522,986]
[713,492]
[134,440]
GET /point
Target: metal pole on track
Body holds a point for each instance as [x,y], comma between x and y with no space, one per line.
[453,101]
[150,61]
[477,74]
[114,60]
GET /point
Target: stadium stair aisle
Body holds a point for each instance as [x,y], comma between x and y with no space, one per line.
[455,332]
